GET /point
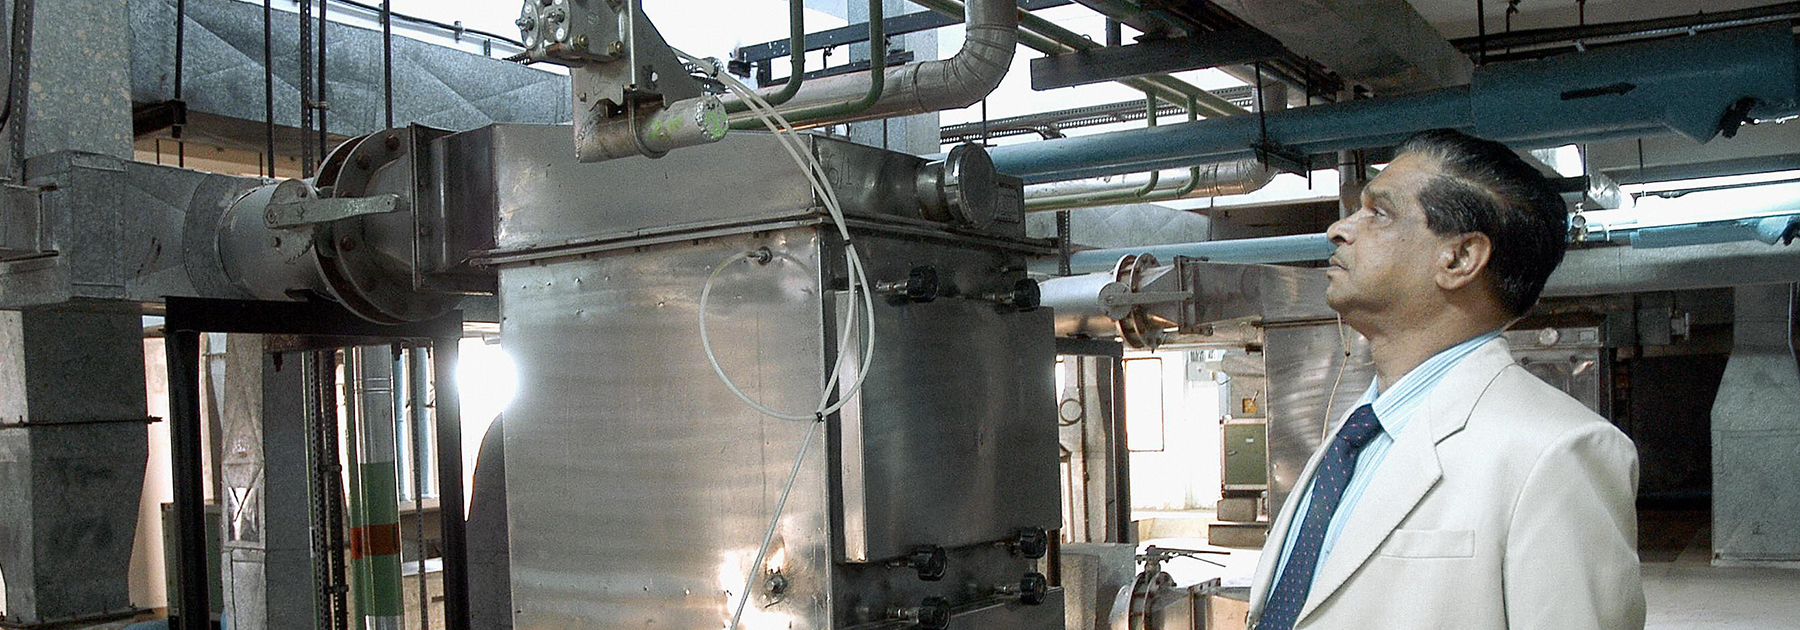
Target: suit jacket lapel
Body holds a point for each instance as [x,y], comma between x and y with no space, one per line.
[1410,469]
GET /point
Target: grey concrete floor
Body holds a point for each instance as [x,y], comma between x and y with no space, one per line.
[1682,590]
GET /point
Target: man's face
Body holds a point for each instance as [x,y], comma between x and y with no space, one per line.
[1387,257]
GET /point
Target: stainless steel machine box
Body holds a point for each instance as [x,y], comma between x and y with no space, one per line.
[639,488]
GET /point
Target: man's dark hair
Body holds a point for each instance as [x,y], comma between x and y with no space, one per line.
[1485,187]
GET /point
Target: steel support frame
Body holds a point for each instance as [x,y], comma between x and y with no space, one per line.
[761,54]
[1104,377]
[1152,57]
[315,325]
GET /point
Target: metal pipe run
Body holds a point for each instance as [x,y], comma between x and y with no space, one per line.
[927,86]
[1236,177]
[374,490]
[1590,33]
[796,59]
[1046,37]
[1274,249]
[1695,86]
[1768,230]
[1755,201]
[877,81]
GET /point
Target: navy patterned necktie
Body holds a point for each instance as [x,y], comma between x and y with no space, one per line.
[1333,475]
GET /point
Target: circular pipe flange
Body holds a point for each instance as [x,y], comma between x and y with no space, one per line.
[962,190]
[1137,328]
[367,260]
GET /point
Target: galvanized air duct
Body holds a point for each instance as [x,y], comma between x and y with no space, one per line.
[1688,86]
[1384,44]
[1602,270]
[1755,433]
[927,86]
[1586,271]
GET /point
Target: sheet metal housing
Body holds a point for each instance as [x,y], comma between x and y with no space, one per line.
[638,487]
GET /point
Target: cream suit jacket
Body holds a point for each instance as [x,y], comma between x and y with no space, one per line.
[1505,504]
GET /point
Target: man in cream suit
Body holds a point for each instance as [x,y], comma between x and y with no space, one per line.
[1460,492]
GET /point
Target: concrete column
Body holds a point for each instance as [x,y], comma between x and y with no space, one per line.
[72,452]
[266,547]
[1756,432]
[917,135]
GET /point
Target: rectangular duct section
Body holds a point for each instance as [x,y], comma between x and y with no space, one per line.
[433,85]
[1756,434]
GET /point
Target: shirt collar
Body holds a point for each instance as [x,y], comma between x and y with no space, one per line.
[1394,405]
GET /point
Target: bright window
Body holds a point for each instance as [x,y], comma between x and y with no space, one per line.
[1144,404]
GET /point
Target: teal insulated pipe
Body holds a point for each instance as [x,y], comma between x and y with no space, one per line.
[1695,86]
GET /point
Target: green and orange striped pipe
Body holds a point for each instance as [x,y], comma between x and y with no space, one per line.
[374,492]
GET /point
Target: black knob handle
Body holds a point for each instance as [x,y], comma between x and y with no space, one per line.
[933,613]
[1022,295]
[1026,295]
[1031,542]
[930,561]
[921,285]
[1034,588]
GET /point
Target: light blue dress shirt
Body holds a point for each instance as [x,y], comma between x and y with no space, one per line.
[1394,408]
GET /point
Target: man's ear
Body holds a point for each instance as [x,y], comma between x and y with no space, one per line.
[1462,259]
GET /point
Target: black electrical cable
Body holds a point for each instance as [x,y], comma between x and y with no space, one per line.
[387,63]
[453,28]
[1481,32]
[180,50]
[269,87]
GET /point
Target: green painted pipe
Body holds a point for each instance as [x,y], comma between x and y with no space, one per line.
[796,60]
[877,81]
[374,490]
[1146,193]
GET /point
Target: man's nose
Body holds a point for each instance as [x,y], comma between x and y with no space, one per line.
[1339,232]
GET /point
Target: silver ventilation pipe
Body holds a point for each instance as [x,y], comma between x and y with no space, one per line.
[1231,177]
[1234,177]
[927,86]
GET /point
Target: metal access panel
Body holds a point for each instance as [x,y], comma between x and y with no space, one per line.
[639,487]
[948,444]
[1245,463]
[629,506]
[1312,386]
[1573,360]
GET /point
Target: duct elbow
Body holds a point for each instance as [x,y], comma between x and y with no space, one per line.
[969,76]
[1238,177]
